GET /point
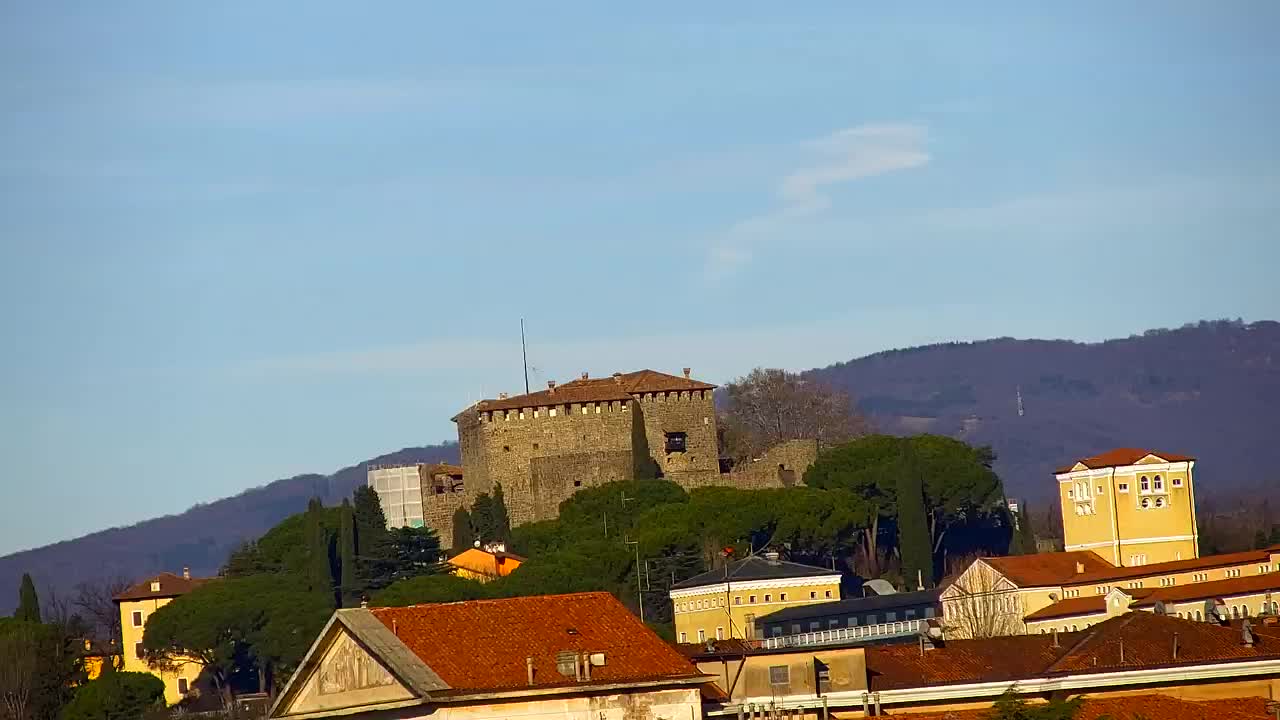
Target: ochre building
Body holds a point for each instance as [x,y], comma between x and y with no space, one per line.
[136,606]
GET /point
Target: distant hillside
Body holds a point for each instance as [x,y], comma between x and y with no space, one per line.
[200,538]
[1211,390]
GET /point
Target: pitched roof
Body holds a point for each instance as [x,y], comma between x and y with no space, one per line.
[1247,585]
[854,606]
[1147,640]
[754,568]
[170,586]
[1045,569]
[1121,457]
[1133,706]
[441,469]
[1070,607]
[621,386]
[1172,566]
[482,645]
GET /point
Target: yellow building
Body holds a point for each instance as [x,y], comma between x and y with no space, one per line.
[1130,506]
[97,656]
[136,605]
[724,603]
[484,564]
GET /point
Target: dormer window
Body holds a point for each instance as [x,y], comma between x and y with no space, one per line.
[155,586]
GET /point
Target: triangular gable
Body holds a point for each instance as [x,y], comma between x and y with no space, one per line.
[1078,467]
[979,577]
[1150,459]
[356,662]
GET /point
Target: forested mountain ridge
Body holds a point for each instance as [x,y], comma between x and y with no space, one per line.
[201,538]
[1211,390]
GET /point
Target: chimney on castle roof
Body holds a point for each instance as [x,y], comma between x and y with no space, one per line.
[551,386]
[617,377]
[502,396]
[1079,568]
[686,373]
[584,375]
[186,573]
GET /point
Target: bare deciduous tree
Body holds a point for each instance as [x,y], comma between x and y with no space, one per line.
[18,658]
[979,605]
[769,406]
[94,598]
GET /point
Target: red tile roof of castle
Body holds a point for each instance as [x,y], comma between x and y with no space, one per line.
[482,645]
[170,585]
[1048,569]
[1133,706]
[1120,457]
[620,386]
[1146,639]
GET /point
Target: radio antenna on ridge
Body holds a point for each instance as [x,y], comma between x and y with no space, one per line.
[524,358]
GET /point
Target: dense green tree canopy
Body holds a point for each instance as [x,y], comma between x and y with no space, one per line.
[116,696]
[28,602]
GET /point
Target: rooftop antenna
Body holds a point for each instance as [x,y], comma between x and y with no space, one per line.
[524,358]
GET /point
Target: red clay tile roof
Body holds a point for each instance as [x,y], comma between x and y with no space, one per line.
[1161,707]
[481,645]
[622,386]
[1048,569]
[1147,639]
[1070,607]
[1208,561]
[170,586]
[1247,585]
[1121,457]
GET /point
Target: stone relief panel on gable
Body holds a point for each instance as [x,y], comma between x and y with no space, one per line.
[348,667]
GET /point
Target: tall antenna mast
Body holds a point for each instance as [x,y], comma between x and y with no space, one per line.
[524,358]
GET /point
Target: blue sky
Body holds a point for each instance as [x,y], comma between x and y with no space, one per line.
[245,240]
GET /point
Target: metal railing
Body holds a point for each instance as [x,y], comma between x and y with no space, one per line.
[842,635]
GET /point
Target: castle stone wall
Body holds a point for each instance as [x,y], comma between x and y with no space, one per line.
[690,412]
[556,479]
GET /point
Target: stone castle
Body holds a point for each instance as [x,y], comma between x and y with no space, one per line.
[544,446]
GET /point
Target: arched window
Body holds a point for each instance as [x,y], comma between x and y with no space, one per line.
[1244,610]
[1158,484]
[1144,483]
[1235,611]
[1199,616]
[1073,628]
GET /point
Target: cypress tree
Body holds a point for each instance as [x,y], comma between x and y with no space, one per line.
[501,519]
[373,543]
[463,533]
[1275,535]
[348,591]
[1260,541]
[482,518]
[319,574]
[913,526]
[28,602]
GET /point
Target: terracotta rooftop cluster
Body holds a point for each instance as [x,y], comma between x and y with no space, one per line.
[619,386]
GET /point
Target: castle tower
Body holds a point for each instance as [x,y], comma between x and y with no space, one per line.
[1130,506]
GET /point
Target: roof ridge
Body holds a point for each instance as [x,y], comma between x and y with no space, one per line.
[585,593]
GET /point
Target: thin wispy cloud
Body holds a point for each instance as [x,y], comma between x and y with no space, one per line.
[847,155]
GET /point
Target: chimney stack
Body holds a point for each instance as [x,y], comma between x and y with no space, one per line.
[528,664]
[502,396]
[1055,642]
[1079,568]
[1175,647]
[551,385]
[686,373]
[772,557]
[617,377]
[585,375]
[186,573]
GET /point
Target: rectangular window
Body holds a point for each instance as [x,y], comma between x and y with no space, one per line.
[782,597]
[1099,490]
[891,617]
[182,686]
[814,626]
[928,612]
[853,621]
[779,675]
[137,618]
[827,594]
[1123,487]
[702,636]
[137,650]
[676,442]
[751,599]
[871,619]
[910,615]
[833,623]
[1177,482]
[768,598]
[737,600]
[720,633]
[813,595]
[795,628]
